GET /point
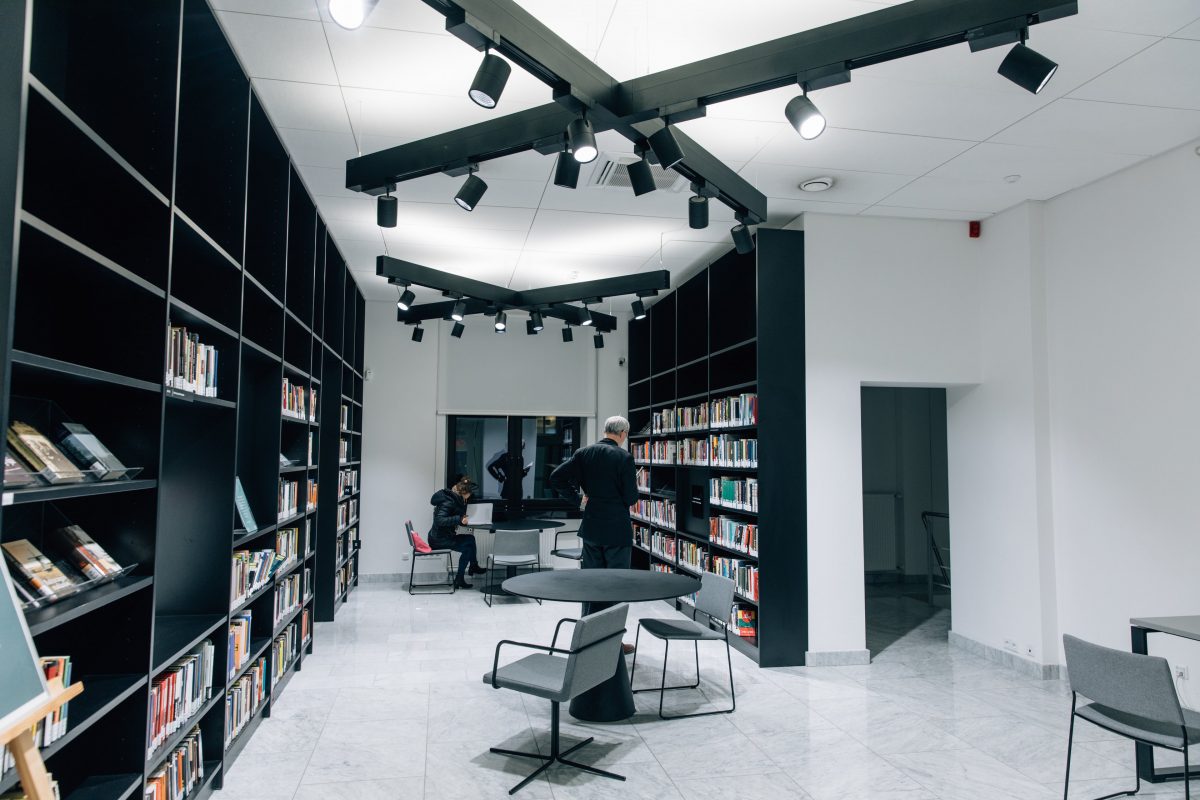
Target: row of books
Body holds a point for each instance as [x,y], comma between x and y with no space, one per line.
[191,364]
[311,502]
[688,418]
[305,627]
[75,455]
[310,449]
[663,545]
[182,772]
[344,543]
[82,562]
[284,650]
[730,412]
[344,578]
[739,493]
[347,482]
[731,451]
[693,452]
[343,450]
[289,593]
[643,479]
[252,570]
[692,554]
[734,534]
[244,698]
[287,544]
[656,512]
[641,536]
[721,450]
[347,512]
[289,498]
[345,423]
[306,584]
[239,642]
[299,402]
[743,573]
[743,621]
[178,693]
[53,726]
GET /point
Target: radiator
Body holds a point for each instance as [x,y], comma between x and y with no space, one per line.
[881,520]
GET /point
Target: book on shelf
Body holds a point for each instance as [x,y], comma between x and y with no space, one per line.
[41,576]
[82,552]
[312,404]
[733,534]
[251,571]
[289,496]
[731,451]
[734,411]
[347,482]
[89,453]
[178,694]
[180,773]
[284,650]
[287,546]
[310,448]
[244,698]
[191,364]
[305,626]
[295,400]
[343,450]
[243,506]
[738,493]
[345,422]
[744,574]
[347,512]
[239,642]
[744,621]
[53,726]
[41,455]
[16,474]
[287,597]
[311,501]
[284,461]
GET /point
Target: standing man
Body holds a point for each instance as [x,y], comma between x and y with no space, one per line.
[606,474]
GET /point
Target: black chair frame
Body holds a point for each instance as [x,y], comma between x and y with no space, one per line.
[448,583]
[663,688]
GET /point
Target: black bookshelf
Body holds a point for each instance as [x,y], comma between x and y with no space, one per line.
[735,327]
[201,220]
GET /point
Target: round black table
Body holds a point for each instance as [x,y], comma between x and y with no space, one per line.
[513,525]
[613,699]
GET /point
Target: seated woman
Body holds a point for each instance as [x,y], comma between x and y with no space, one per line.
[450,511]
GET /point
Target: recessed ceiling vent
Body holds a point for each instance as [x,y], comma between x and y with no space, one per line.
[612,171]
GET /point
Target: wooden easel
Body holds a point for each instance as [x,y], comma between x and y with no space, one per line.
[34,779]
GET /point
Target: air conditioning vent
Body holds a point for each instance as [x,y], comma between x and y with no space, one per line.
[612,171]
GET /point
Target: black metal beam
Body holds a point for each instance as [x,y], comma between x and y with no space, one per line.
[595,290]
[404,273]
[602,322]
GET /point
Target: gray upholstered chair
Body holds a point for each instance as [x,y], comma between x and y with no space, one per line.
[436,587]
[573,553]
[1130,695]
[561,675]
[512,549]
[715,602]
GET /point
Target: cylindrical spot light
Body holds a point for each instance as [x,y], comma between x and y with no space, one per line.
[666,148]
[1027,68]
[489,81]
[457,330]
[804,116]
[471,192]
[581,140]
[459,311]
[418,333]
[501,321]
[598,341]
[529,329]
[743,242]
[587,317]
[536,319]
[385,211]
[406,300]
[641,178]
[567,334]
[698,211]
[639,309]
[350,13]
[566,171]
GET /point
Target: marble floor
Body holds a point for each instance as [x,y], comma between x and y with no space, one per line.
[391,706]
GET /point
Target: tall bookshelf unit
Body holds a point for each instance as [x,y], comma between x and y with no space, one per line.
[152,190]
[735,327]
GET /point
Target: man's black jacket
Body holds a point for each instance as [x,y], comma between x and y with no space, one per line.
[605,472]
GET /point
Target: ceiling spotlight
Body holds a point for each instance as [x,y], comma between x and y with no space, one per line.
[459,311]
[587,317]
[804,116]
[598,341]
[418,333]
[1027,68]
[666,148]
[529,329]
[743,242]
[471,192]
[457,330]
[581,141]
[536,320]
[567,334]
[385,211]
[816,184]
[698,211]
[639,309]
[406,300]
[566,171]
[501,321]
[350,13]
[489,80]
[640,177]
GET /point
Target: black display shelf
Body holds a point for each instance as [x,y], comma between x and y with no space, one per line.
[262,590]
[66,491]
[286,521]
[292,368]
[211,770]
[284,679]
[258,348]
[176,634]
[181,312]
[287,620]
[289,569]
[294,420]
[191,398]
[238,744]
[84,373]
[241,536]
[719,510]
[41,620]
[294,469]
[258,646]
[107,787]
[172,741]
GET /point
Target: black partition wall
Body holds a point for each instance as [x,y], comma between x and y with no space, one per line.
[152,191]
[735,328]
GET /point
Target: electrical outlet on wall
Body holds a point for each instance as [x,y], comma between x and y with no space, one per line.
[1010,644]
[405,556]
[1181,672]
[1028,650]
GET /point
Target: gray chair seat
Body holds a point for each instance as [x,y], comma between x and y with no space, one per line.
[679,629]
[1148,730]
[514,561]
[539,674]
[573,553]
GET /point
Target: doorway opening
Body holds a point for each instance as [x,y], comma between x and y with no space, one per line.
[906,530]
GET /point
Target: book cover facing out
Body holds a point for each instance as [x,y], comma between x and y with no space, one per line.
[243,507]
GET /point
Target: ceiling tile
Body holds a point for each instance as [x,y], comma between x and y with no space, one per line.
[1166,74]
[779,180]
[493,265]
[406,16]
[607,234]
[327,182]
[318,148]
[862,151]
[392,118]
[1114,127]
[536,269]
[309,106]
[280,47]
[1073,166]
[614,200]
[410,236]
[957,194]
[1188,32]
[734,139]
[1154,18]
[922,213]
[782,211]
[581,25]
[297,9]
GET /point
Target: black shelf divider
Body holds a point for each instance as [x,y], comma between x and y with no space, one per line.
[107,787]
[41,620]
[66,491]
[176,635]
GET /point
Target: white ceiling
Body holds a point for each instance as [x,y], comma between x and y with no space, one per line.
[939,135]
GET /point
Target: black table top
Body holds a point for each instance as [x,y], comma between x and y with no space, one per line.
[601,585]
[519,525]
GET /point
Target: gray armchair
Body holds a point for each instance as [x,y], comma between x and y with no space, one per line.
[1130,695]
[512,549]
[561,675]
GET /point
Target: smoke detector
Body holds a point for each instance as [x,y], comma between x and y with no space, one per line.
[816,184]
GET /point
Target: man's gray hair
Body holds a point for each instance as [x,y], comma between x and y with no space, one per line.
[616,425]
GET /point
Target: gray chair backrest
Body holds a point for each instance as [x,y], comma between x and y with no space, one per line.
[598,663]
[517,543]
[1129,682]
[408,528]
[715,597]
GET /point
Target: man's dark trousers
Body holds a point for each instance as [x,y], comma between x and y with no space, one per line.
[597,556]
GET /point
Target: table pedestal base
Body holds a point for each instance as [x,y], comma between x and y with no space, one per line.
[611,701]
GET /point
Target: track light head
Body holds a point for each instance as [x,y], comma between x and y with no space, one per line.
[598,341]
[566,171]
[743,242]
[406,300]
[471,192]
[639,309]
[698,211]
[640,177]
[459,311]
[350,13]
[386,211]
[666,148]
[529,329]
[501,321]
[581,141]
[804,116]
[489,81]
[587,317]
[457,330]
[1027,68]
[567,334]
[418,333]
[535,320]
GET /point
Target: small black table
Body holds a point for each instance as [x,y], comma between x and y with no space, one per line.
[613,699]
[513,525]
[1185,627]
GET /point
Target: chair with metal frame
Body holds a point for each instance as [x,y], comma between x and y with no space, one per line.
[715,602]
[573,553]
[412,570]
[590,661]
[510,550]
[1131,695]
